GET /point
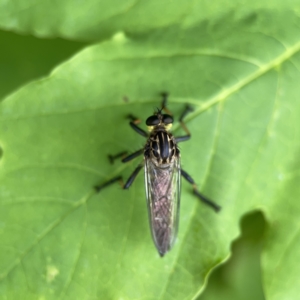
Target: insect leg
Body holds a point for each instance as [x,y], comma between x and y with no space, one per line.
[98,188]
[188,109]
[204,199]
[133,155]
[182,138]
[186,137]
[125,158]
[119,178]
[113,157]
[132,177]
[138,129]
[164,103]
[133,123]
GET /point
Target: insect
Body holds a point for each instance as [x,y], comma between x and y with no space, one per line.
[162,174]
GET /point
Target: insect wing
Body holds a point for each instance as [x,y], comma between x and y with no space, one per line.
[163,200]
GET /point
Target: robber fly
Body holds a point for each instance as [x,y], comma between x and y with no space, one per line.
[162,175]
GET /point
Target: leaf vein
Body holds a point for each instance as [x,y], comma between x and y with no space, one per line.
[72,272]
[48,229]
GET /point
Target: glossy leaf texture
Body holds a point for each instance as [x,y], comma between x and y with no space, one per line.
[61,240]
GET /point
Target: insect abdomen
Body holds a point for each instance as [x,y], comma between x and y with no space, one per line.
[162,190]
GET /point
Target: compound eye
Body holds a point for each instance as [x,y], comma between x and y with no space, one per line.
[153,120]
[167,119]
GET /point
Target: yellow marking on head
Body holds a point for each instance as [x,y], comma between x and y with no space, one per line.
[150,128]
[169,126]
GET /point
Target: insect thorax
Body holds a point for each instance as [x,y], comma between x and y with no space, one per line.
[161,147]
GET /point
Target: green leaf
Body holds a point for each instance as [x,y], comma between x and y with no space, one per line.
[35,60]
[94,20]
[90,20]
[59,239]
[240,277]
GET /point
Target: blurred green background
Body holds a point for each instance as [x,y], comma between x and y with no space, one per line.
[25,58]
[240,276]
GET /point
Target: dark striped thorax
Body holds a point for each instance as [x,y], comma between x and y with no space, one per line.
[161,146]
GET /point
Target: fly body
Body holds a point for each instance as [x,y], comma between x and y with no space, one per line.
[162,175]
[162,181]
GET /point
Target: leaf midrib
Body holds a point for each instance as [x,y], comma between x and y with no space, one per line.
[221,96]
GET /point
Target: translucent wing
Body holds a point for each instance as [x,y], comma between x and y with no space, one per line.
[163,199]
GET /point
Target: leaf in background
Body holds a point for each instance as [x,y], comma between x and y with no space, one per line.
[94,20]
[90,20]
[60,239]
[240,277]
[24,58]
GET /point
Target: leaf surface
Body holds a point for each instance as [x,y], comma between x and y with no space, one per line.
[36,58]
[94,20]
[61,240]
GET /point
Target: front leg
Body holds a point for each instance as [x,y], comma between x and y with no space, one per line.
[133,123]
[188,134]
